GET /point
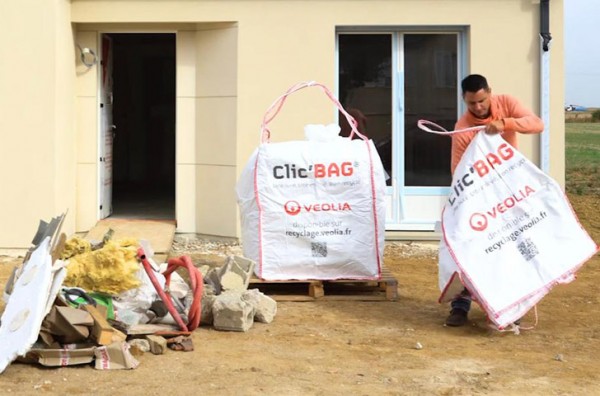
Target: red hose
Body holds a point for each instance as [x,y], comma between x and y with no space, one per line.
[197,286]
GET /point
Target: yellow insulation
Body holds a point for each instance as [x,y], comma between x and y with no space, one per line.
[111,269]
[75,246]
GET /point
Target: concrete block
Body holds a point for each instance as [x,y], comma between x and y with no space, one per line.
[244,267]
[206,317]
[232,281]
[158,344]
[265,307]
[140,344]
[236,273]
[213,279]
[209,289]
[232,313]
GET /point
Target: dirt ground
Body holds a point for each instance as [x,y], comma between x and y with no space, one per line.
[367,348]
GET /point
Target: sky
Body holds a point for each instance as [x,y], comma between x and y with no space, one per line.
[582,52]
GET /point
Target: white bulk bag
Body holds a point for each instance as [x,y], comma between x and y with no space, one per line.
[509,232]
[313,209]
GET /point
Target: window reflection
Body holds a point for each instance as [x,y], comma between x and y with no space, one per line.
[365,78]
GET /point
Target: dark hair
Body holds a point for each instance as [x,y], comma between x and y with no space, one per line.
[474,83]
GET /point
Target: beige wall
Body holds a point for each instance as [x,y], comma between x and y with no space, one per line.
[206,129]
[295,41]
[36,118]
[48,101]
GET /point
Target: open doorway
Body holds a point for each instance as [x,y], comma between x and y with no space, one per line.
[143,114]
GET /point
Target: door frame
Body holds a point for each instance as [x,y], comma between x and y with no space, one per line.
[100,33]
[104,191]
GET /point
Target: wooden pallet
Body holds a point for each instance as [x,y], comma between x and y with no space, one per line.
[385,288]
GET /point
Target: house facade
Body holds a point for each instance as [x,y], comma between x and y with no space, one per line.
[108,101]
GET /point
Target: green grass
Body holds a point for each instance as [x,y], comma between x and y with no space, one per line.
[583,158]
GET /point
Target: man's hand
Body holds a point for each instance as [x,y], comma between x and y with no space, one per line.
[495,127]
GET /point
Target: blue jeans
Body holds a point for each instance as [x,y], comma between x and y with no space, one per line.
[462,301]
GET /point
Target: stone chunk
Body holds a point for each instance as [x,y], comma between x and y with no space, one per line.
[232,281]
[265,307]
[235,274]
[158,344]
[139,344]
[206,317]
[243,267]
[232,313]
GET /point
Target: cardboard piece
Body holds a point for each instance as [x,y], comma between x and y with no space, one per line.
[59,247]
[115,356]
[150,328]
[68,325]
[46,337]
[102,332]
[69,355]
[118,336]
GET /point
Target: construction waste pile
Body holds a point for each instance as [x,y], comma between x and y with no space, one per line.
[107,302]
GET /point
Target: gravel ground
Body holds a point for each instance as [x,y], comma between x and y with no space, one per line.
[189,243]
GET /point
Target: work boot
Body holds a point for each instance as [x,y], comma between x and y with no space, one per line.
[458,317]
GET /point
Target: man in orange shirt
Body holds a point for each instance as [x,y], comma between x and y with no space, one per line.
[500,114]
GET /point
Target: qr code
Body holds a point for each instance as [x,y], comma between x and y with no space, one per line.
[528,249]
[319,249]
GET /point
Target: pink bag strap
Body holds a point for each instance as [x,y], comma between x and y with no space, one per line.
[439,130]
[273,110]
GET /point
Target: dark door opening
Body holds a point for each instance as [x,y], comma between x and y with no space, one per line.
[144,119]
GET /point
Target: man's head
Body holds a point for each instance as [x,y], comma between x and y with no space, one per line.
[476,94]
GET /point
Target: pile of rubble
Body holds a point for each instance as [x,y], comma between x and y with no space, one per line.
[227,303]
[74,302]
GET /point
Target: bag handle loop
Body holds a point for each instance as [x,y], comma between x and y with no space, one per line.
[439,130]
[276,106]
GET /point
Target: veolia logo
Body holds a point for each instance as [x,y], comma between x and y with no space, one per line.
[478,221]
[292,208]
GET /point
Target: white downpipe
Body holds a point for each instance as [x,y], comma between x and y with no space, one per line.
[545,108]
[545,39]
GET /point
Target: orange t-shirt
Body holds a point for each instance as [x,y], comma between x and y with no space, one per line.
[515,116]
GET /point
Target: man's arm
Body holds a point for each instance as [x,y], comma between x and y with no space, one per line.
[518,118]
